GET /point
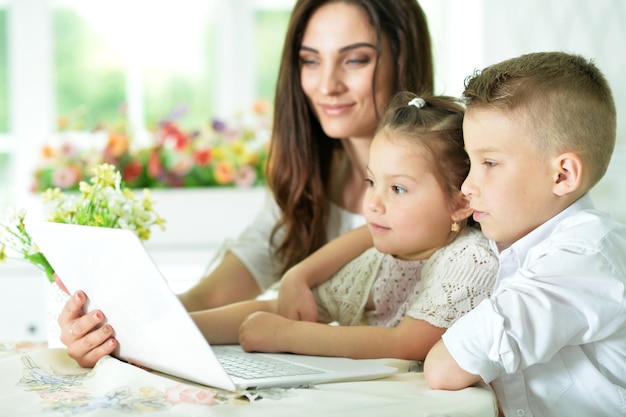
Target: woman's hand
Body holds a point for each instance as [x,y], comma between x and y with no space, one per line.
[295,298]
[86,336]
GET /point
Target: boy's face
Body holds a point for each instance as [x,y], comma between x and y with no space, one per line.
[509,185]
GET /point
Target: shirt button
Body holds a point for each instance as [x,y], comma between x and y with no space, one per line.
[520,412]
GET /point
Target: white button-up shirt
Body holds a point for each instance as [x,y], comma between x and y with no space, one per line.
[552,337]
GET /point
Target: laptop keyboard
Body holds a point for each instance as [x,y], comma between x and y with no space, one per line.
[250,366]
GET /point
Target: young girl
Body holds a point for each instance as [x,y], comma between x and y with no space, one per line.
[428,267]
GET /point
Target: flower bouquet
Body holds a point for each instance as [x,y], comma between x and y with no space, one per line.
[222,153]
[102,201]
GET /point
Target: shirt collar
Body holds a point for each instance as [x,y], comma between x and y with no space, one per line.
[521,247]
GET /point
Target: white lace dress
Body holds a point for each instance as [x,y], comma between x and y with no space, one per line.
[378,289]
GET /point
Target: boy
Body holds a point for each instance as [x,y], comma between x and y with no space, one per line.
[551,340]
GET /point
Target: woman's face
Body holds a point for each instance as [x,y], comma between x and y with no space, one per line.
[337,63]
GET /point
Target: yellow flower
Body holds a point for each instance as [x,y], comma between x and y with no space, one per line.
[250,158]
[147,199]
[51,194]
[219,153]
[128,193]
[105,175]
[98,220]
[85,189]
[143,234]
[238,148]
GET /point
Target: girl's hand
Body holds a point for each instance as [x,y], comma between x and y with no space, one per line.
[263,332]
[295,298]
[86,336]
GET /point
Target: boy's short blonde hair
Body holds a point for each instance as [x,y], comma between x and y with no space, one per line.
[563,100]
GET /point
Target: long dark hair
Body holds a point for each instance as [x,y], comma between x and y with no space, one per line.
[301,153]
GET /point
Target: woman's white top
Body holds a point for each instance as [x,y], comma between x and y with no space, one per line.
[252,246]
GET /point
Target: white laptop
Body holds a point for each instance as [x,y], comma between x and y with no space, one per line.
[152,326]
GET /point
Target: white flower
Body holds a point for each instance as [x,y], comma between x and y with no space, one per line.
[103,203]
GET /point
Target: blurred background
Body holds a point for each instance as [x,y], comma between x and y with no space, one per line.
[74,65]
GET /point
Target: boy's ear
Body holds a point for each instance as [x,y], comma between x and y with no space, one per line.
[463,210]
[568,173]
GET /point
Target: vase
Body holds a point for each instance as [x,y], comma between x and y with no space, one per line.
[204,216]
[56,298]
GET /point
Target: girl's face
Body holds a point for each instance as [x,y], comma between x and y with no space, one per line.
[407,212]
[337,62]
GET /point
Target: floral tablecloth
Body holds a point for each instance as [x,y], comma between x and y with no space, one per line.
[40,381]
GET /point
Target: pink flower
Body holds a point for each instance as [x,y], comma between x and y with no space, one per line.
[246,176]
[185,394]
[68,150]
[65,177]
[182,165]
[155,168]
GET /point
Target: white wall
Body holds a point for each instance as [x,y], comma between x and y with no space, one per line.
[471,34]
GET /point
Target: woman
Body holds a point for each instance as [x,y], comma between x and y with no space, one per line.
[342,61]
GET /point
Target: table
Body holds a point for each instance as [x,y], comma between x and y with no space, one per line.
[37,380]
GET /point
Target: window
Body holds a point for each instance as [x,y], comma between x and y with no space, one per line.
[163,58]
[4,100]
[4,114]
[270,29]
[89,72]
[94,62]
